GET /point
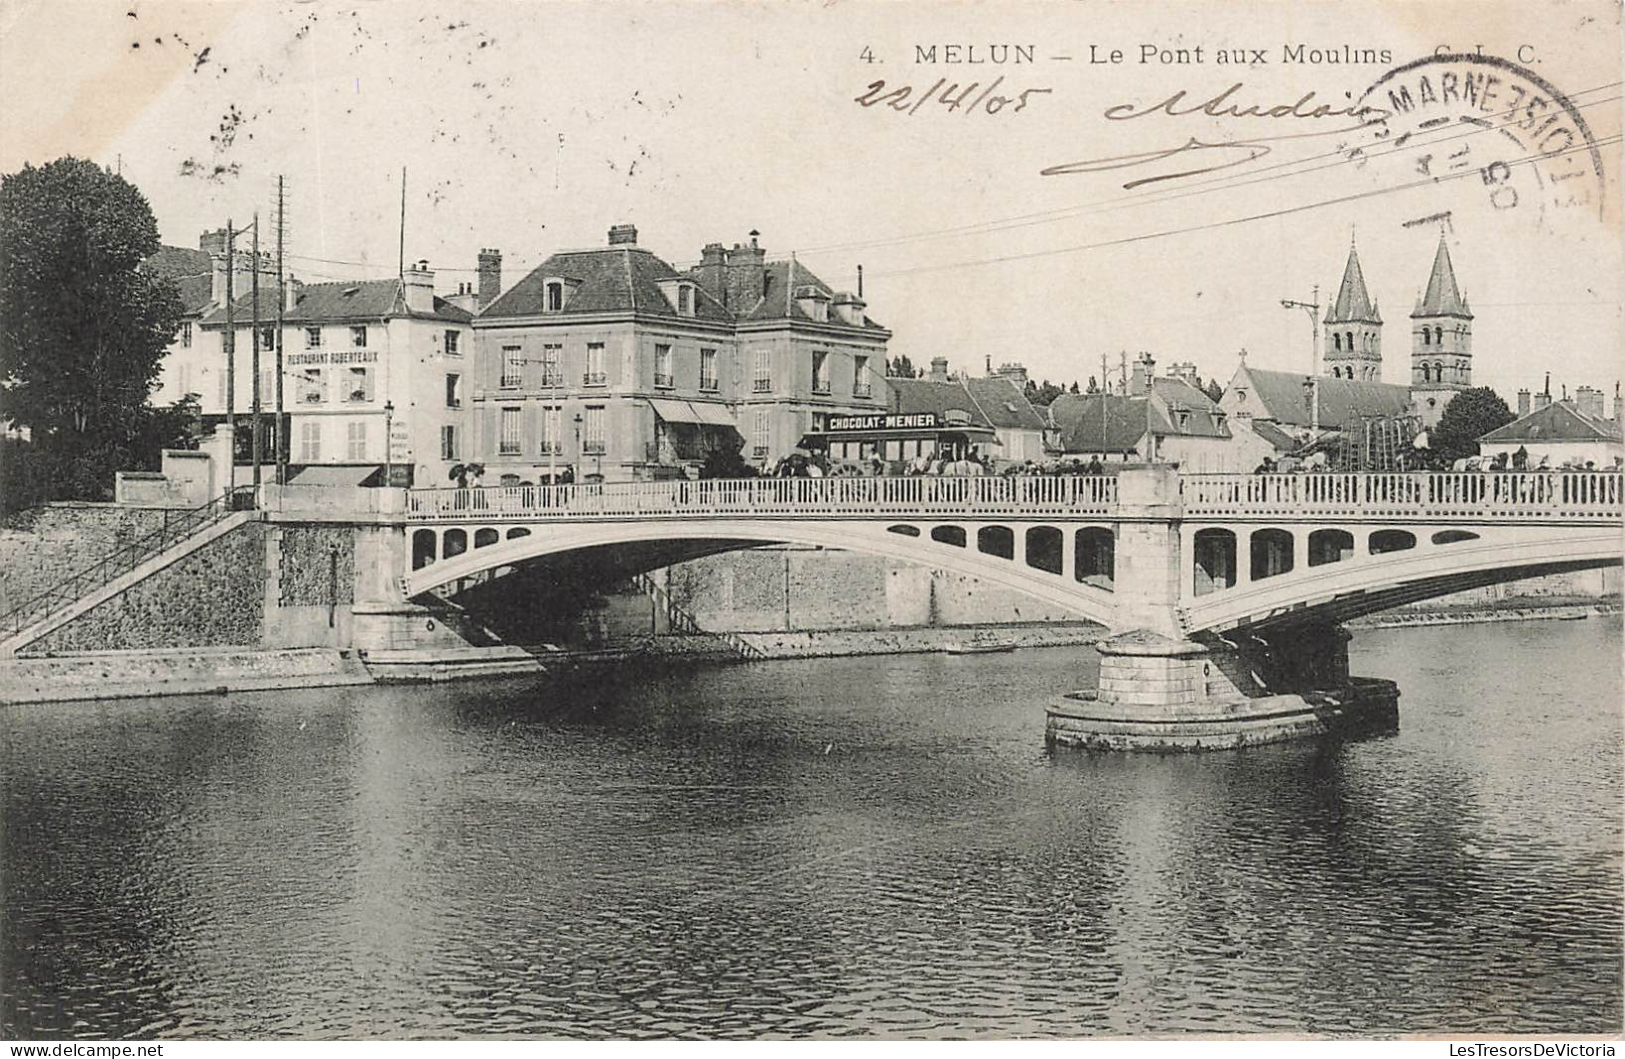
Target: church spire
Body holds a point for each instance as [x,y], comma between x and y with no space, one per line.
[1353,304]
[1442,297]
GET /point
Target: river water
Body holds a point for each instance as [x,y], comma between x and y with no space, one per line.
[874,846]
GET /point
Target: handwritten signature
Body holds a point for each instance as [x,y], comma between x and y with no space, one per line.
[1208,156]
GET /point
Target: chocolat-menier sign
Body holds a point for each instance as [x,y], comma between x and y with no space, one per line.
[885,421]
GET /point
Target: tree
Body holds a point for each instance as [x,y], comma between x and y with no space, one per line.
[82,328]
[1469,416]
[1094,385]
[1213,390]
[899,367]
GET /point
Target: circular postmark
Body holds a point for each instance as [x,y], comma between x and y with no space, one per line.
[1481,122]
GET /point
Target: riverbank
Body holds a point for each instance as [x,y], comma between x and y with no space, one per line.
[1513,611]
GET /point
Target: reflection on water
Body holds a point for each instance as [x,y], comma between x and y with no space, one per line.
[834,847]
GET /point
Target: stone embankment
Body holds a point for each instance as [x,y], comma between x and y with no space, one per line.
[193,671]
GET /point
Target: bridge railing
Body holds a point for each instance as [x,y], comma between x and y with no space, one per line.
[774,497]
[1532,495]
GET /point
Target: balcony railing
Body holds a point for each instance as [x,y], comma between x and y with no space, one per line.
[916,497]
[552,377]
[664,380]
[1450,495]
[821,387]
[594,378]
[761,386]
[862,389]
[508,382]
[709,384]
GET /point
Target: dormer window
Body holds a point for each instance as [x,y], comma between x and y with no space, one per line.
[680,295]
[685,300]
[555,296]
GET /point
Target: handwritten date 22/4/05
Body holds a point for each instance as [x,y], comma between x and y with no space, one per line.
[973,98]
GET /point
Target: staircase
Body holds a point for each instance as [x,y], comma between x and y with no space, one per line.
[182,533]
[681,621]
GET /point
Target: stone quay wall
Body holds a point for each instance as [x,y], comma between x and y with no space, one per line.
[45,545]
[214,597]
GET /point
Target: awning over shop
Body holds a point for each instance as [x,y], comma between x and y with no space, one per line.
[332,474]
[698,414]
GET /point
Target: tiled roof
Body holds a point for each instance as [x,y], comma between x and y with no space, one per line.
[1270,432]
[1442,298]
[780,282]
[1003,403]
[1343,402]
[192,271]
[1077,417]
[614,279]
[324,302]
[943,398]
[1353,304]
[1558,421]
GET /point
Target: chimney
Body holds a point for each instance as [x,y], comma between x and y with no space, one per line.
[939,369]
[1589,400]
[490,277]
[418,284]
[244,268]
[747,276]
[465,298]
[291,290]
[1144,369]
[212,242]
[1543,399]
[623,235]
[713,271]
[1015,372]
[1523,403]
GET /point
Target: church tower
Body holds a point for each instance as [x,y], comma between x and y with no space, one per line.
[1353,346]
[1441,341]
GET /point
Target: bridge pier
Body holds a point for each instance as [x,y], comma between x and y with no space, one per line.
[1162,690]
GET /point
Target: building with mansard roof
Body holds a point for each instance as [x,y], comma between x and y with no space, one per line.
[612,363]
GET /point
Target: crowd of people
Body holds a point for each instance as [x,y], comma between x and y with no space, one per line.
[970,464]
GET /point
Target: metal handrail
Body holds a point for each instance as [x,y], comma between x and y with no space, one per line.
[126,557]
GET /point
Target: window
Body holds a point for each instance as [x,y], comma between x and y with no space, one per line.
[454,391]
[762,373]
[358,385]
[555,296]
[448,442]
[860,377]
[513,367]
[708,370]
[451,344]
[356,435]
[312,388]
[663,365]
[1337,342]
[313,338]
[761,434]
[820,378]
[553,365]
[592,430]
[186,335]
[267,393]
[183,379]
[1427,339]
[310,441]
[595,365]
[358,337]
[509,443]
[267,338]
[550,431]
[685,300]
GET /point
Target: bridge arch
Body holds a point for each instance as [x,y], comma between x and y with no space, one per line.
[639,543]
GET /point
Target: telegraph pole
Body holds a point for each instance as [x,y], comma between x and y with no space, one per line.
[281,300]
[254,345]
[231,354]
[1312,307]
[1103,408]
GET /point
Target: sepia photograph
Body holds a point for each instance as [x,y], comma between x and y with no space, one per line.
[773,520]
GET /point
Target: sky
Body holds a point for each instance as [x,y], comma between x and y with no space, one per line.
[533,127]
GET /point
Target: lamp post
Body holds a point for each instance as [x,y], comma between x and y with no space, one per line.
[389,444]
[578,438]
[1311,307]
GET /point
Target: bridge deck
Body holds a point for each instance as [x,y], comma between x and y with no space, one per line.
[1563,496]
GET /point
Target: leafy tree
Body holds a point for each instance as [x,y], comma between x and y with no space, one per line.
[82,331]
[1074,387]
[900,367]
[1470,415]
[1213,390]
[82,328]
[1094,385]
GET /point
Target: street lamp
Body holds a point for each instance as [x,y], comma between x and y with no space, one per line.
[389,446]
[578,442]
[1311,307]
